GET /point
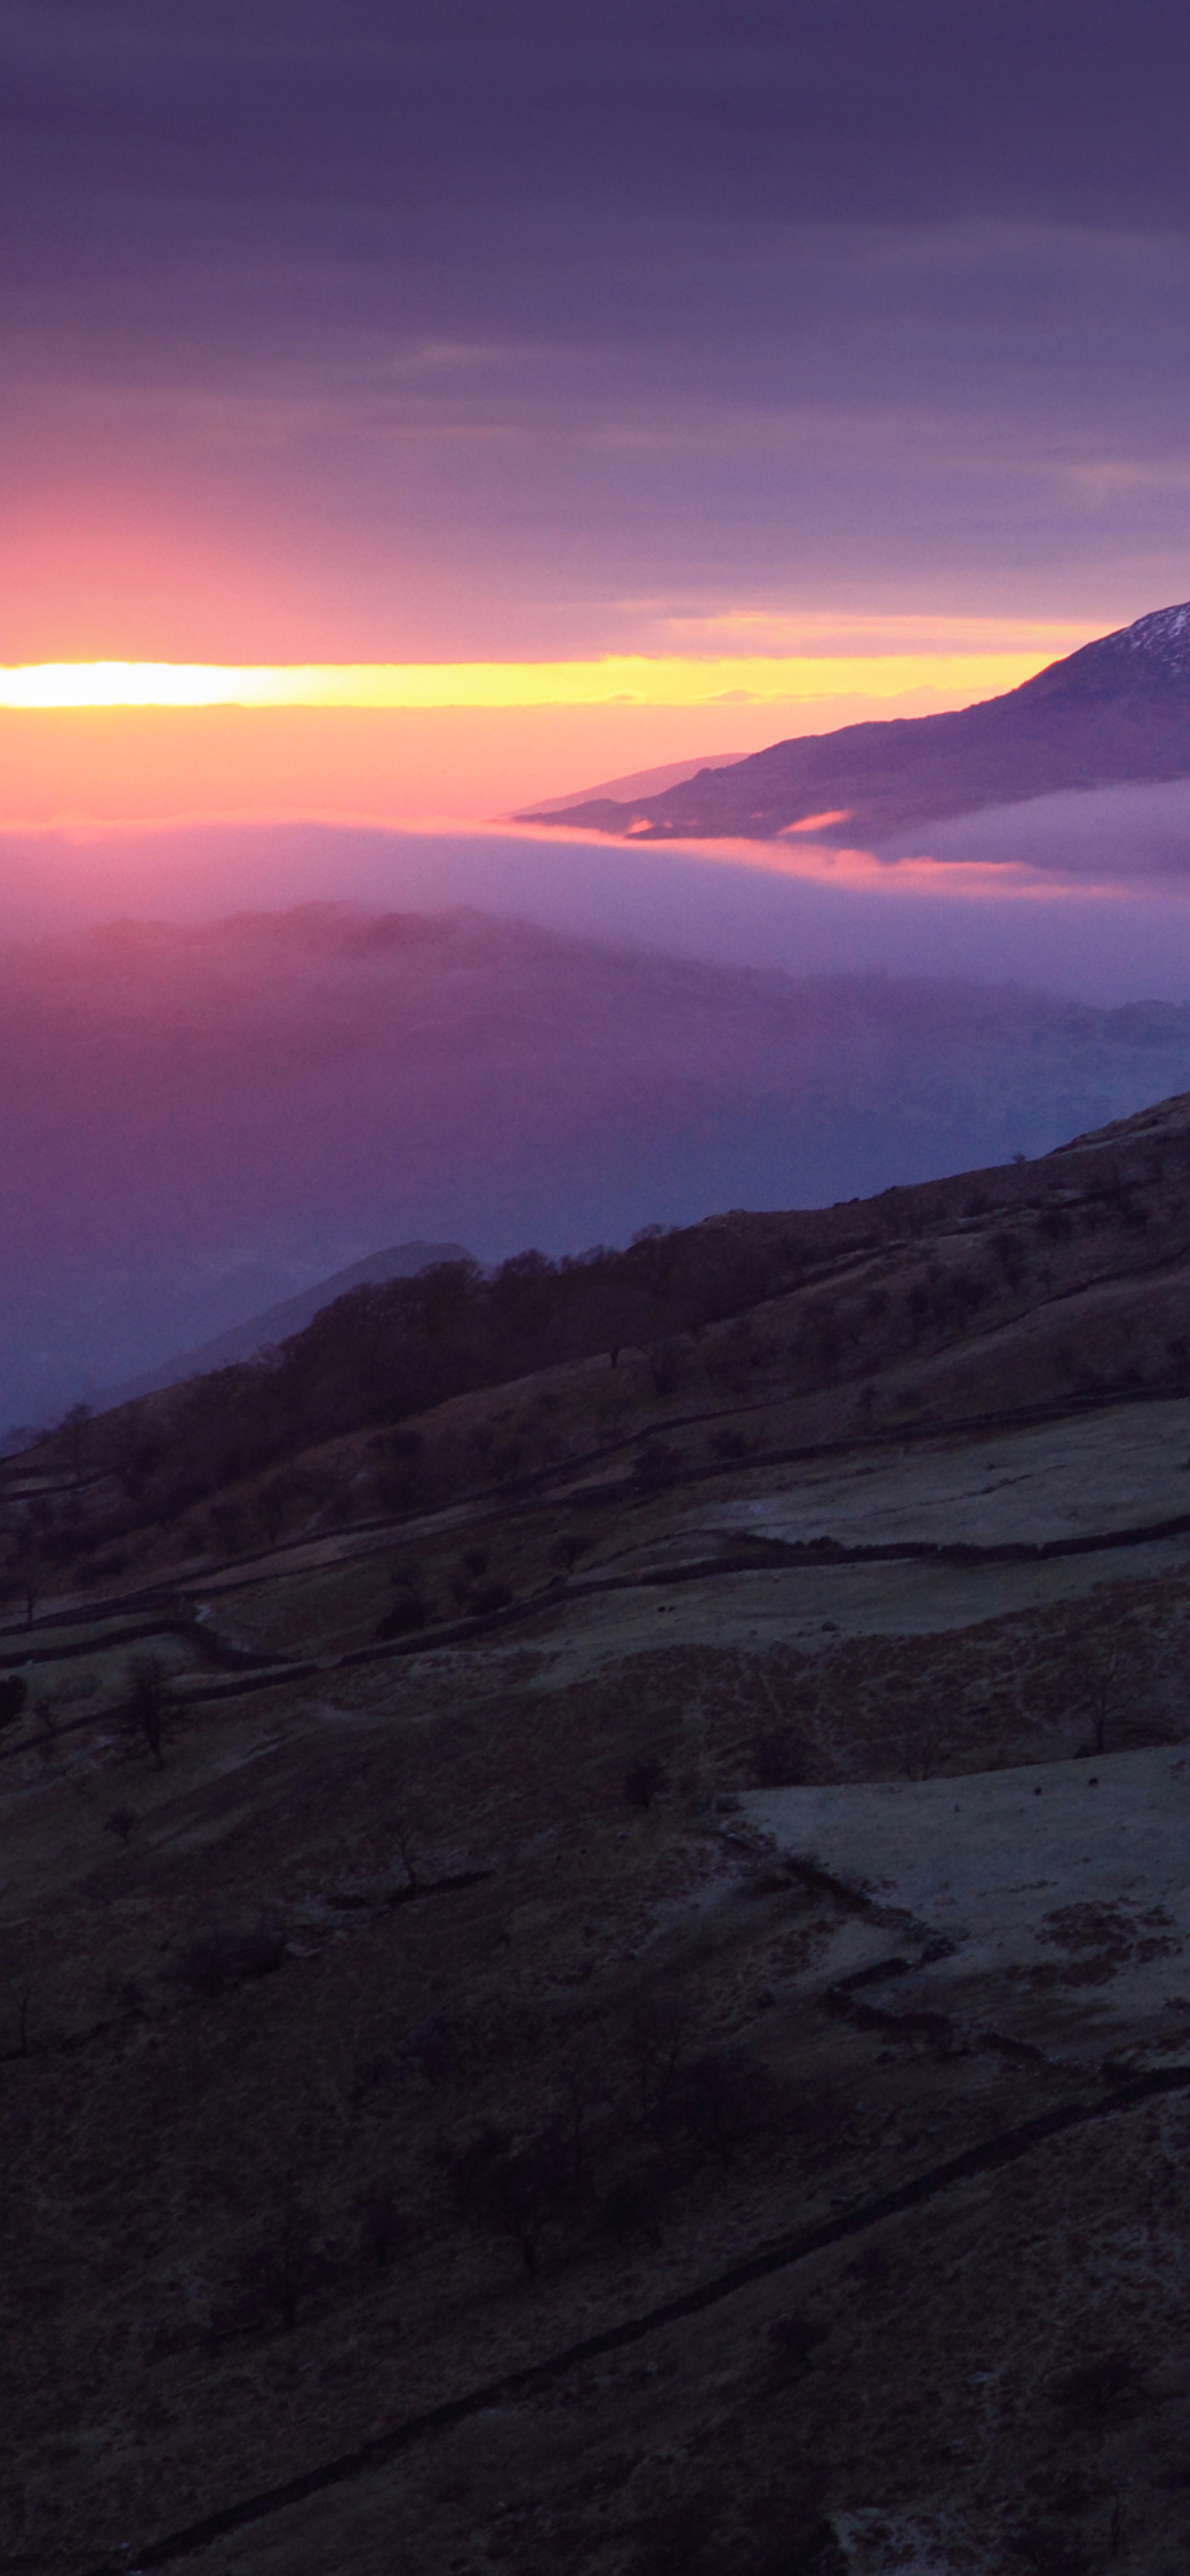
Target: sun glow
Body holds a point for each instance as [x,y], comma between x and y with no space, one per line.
[615,679]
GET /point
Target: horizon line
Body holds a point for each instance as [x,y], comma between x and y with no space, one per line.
[610,679]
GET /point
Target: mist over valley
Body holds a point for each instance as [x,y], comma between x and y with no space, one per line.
[200,1123]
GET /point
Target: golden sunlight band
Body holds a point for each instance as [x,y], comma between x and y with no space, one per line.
[629,679]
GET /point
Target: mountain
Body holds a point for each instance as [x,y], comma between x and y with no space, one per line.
[191,1119]
[1116,711]
[643,782]
[278,1323]
[593,1970]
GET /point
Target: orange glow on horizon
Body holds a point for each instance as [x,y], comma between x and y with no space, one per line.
[661,680]
[405,743]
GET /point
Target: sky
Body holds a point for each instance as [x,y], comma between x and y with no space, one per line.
[413,411]
[763,365]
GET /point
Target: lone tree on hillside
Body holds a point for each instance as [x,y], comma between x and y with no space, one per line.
[1109,1668]
[287,2267]
[922,1730]
[28,1562]
[518,2191]
[645,1780]
[14,1692]
[75,1434]
[148,1701]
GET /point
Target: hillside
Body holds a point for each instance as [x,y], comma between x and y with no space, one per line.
[624,2009]
[277,1323]
[1117,710]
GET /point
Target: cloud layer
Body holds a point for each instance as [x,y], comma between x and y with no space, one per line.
[1047,895]
[345,333]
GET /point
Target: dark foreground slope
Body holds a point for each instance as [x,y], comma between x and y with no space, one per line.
[631,2015]
[1117,710]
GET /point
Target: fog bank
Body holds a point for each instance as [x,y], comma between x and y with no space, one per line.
[1084,896]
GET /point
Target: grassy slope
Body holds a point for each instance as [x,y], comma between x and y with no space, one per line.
[371,1907]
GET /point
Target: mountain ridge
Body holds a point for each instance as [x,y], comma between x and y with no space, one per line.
[1116,711]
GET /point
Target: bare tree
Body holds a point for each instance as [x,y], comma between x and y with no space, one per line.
[288,2266]
[407,1828]
[48,1722]
[792,2341]
[725,2099]
[919,1720]
[28,1560]
[658,2043]
[14,1692]
[75,1434]
[645,1780]
[1110,1666]
[22,2038]
[922,1740]
[385,2224]
[518,2191]
[1103,2382]
[147,1706]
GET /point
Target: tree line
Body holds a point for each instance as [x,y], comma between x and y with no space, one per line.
[381,1354]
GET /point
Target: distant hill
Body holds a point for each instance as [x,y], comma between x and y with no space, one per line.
[401,1261]
[644,782]
[191,1119]
[1116,711]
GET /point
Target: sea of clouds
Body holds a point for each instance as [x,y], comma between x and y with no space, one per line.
[1084,895]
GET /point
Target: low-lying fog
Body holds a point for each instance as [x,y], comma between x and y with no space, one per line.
[1086,895]
[196,1122]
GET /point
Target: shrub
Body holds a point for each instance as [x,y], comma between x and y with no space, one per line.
[283,2270]
[489,1598]
[792,2341]
[674,2540]
[406,1611]
[385,2225]
[1096,2386]
[518,2191]
[401,1481]
[781,1758]
[14,1693]
[227,1522]
[1012,1255]
[408,1608]
[635,2204]
[379,2083]
[724,2099]
[435,2045]
[657,1465]
[220,1959]
[145,1712]
[645,1781]
[666,1362]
